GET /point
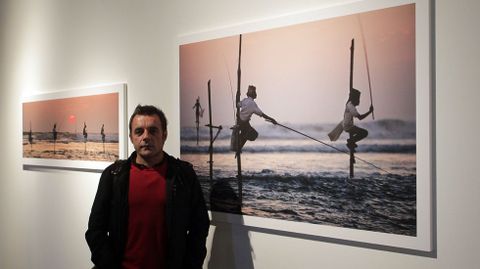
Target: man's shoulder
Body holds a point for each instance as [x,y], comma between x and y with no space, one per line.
[248,100]
[179,162]
[351,106]
[117,166]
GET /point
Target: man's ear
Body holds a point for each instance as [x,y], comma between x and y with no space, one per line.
[165,134]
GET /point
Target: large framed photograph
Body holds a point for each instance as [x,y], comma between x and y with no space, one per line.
[318,123]
[82,129]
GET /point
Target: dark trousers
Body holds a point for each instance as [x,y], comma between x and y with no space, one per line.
[356,134]
[246,133]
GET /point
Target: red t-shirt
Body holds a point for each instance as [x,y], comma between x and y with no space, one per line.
[146,236]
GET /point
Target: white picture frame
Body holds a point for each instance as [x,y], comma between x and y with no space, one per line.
[423,242]
[84,106]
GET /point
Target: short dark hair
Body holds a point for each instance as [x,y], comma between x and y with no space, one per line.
[148,110]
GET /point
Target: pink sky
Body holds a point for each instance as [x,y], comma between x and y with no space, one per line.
[302,71]
[70,113]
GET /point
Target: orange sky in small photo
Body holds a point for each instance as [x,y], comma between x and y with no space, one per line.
[70,114]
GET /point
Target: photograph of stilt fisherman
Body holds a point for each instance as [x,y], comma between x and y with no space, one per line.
[57,128]
[338,146]
[198,114]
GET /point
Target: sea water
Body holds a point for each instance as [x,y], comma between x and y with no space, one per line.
[290,177]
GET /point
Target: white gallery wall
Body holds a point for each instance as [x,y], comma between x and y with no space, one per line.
[50,45]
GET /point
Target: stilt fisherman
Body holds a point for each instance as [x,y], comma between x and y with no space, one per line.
[248,106]
[85,134]
[102,133]
[198,110]
[54,133]
[198,114]
[356,133]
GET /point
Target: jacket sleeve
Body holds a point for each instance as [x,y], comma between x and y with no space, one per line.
[199,224]
[97,237]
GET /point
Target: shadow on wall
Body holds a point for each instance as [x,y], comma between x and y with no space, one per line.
[231,246]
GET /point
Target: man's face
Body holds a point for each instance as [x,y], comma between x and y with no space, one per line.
[148,138]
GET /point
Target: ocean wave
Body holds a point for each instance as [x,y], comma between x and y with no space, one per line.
[65,137]
[382,203]
[380,129]
[376,148]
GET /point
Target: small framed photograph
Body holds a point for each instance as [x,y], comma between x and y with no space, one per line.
[82,129]
[333,109]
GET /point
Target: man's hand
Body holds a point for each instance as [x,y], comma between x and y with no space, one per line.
[272,121]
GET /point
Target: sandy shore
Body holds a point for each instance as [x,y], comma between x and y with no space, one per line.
[91,151]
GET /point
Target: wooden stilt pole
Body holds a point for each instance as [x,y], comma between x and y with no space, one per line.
[238,153]
[212,138]
[210,148]
[352,161]
[352,156]
[197,123]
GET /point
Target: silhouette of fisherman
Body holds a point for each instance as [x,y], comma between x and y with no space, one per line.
[85,134]
[198,113]
[198,110]
[356,133]
[248,106]
[102,132]
[54,132]
[30,137]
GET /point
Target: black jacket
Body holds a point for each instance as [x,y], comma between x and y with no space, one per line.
[186,216]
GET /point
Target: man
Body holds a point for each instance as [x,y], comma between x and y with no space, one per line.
[85,134]
[198,110]
[55,133]
[356,133]
[198,113]
[247,108]
[102,133]
[149,210]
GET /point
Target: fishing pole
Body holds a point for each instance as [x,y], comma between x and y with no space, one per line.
[333,147]
[231,88]
[366,63]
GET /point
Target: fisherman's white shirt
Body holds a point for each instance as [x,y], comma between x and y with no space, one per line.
[247,108]
[350,112]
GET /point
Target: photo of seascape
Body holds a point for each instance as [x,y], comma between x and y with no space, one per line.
[288,177]
[304,75]
[71,146]
[76,128]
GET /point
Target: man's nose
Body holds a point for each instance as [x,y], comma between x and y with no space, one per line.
[146,134]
